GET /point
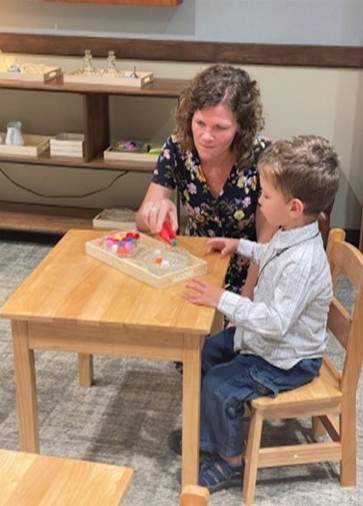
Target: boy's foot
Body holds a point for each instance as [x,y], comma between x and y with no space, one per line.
[216,474]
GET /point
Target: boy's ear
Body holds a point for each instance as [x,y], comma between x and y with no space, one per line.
[296,207]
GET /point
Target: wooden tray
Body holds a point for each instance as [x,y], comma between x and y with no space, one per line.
[33,72]
[33,146]
[124,79]
[129,266]
[111,154]
[67,144]
[119,218]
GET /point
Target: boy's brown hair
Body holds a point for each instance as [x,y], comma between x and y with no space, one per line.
[305,167]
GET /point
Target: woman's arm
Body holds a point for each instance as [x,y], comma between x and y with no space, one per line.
[156,208]
[264,232]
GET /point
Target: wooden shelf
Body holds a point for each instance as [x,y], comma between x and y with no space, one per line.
[38,218]
[96,130]
[160,3]
[163,88]
[97,163]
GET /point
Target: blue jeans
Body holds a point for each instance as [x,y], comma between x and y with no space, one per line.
[229,380]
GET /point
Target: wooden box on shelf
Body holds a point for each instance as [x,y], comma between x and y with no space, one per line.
[32,72]
[114,155]
[33,146]
[67,144]
[118,217]
[125,79]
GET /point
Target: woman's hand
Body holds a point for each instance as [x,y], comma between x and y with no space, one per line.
[222,244]
[155,213]
[202,293]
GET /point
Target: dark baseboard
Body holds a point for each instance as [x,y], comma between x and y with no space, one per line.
[35,237]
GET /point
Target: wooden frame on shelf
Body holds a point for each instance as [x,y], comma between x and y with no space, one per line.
[186,50]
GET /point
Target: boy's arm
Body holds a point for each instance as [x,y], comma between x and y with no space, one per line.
[272,318]
[265,232]
[251,250]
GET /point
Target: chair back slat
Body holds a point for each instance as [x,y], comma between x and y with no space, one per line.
[347,259]
[348,329]
[354,355]
[335,235]
[339,322]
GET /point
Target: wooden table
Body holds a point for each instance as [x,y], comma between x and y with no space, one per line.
[28,479]
[74,303]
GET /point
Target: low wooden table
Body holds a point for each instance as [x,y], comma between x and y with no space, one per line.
[28,479]
[74,303]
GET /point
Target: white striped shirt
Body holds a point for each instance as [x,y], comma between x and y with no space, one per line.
[286,321]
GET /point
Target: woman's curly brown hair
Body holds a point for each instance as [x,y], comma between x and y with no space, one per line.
[229,85]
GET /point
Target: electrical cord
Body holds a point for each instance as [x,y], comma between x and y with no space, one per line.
[38,194]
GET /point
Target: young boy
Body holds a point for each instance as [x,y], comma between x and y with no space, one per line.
[280,336]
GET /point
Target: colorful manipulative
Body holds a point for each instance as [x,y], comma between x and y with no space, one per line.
[168,234]
[122,244]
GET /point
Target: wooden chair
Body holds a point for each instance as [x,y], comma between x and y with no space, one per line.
[193,495]
[29,479]
[329,399]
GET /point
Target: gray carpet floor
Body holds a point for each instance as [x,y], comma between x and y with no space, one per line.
[125,418]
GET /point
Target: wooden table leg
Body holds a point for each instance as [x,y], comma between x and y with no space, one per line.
[191,409]
[26,394]
[85,365]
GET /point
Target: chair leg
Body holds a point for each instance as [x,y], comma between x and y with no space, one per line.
[348,465]
[85,366]
[318,428]
[251,457]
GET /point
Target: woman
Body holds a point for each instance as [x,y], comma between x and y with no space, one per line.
[211,159]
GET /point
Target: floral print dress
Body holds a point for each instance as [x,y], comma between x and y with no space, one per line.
[231,214]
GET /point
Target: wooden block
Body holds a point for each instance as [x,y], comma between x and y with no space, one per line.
[125,79]
[33,146]
[111,154]
[136,268]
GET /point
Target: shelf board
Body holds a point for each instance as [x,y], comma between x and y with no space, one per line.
[165,88]
[160,3]
[97,163]
[49,219]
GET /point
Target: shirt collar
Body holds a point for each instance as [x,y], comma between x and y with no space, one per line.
[285,238]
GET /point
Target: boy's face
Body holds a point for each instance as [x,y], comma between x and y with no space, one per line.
[274,205]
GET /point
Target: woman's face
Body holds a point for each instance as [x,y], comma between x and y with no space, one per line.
[213,131]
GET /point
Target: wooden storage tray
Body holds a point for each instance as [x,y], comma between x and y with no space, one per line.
[34,72]
[111,154]
[124,79]
[33,146]
[128,266]
[115,218]
[67,144]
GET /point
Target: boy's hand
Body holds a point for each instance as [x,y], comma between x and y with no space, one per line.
[222,244]
[202,293]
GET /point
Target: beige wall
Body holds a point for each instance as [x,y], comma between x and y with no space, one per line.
[328,102]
